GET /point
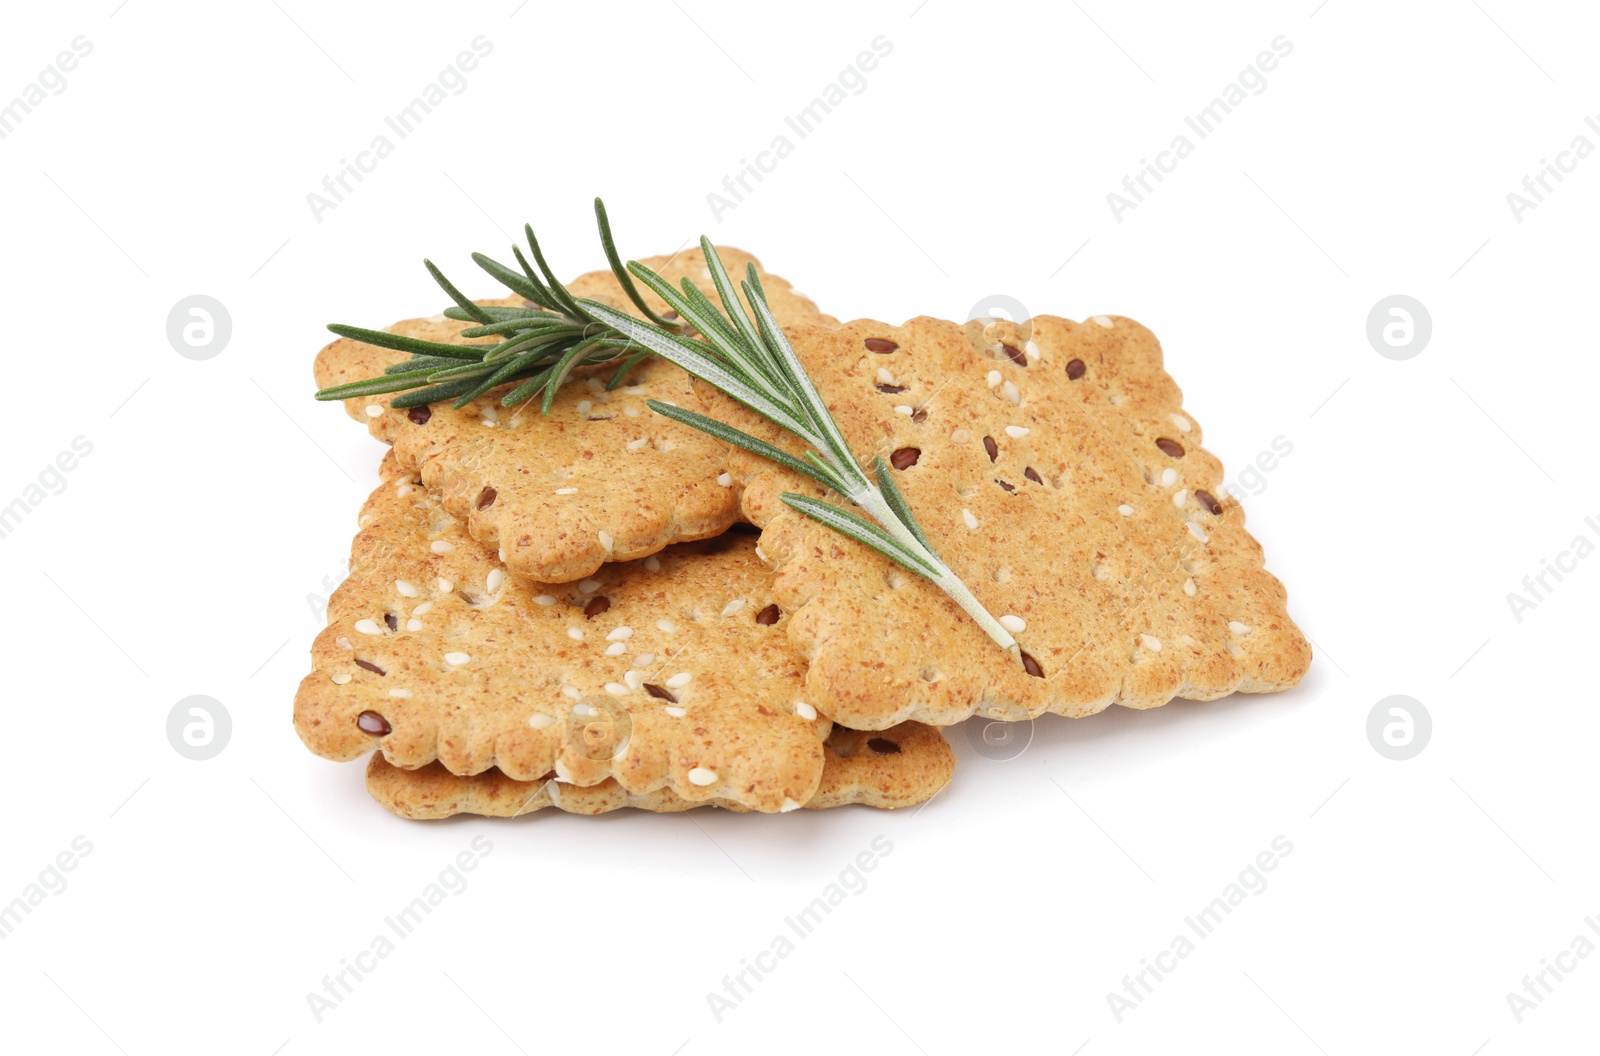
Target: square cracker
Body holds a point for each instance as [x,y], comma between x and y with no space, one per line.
[1053,467]
[600,478]
[673,672]
[899,767]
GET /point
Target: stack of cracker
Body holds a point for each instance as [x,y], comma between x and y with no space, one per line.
[602,608]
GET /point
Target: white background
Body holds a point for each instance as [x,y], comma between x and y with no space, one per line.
[186,550]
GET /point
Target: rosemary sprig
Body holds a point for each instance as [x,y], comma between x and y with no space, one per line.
[747,358]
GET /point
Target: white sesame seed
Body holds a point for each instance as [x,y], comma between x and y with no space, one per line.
[1017,432]
[993,378]
[545,599]
[413,624]
[1198,532]
[1010,391]
[588,586]
[563,774]
[620,634]
[570,692]
[341,679]
[1150,642]
[539,722]
[616,689]
[1105,321]
[725,480]
[1030,350]
[402,491]
[631,412]
[616,649]
[1189,587]
[971,521]
[457,659]
[400,694]
[653,563]
[960,436]
[788,805]
[634,679]
[1183,424]
[566,491]
[644,660]
[679,680]
[904,408]
[445,586]
[760,553]
[1125,510]
[1238,628]
[885,377]
[1169,477]
[367,627]
[1014,624]
[575,633]
[634,445]
[494,580]
[501,553]
[1180,497]
[733,606]
[606,540]
[406,588]
[666,625]
[701,776]
[676,712]
[441,546]
[805,711]
[584,406]
[584,709]
[374,411]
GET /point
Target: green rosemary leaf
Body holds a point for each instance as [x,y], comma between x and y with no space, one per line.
[862,531]
[425,364]
[559,373]
[500,313]
[545,298]
[447,391]
[455,295]
[401,343]
[729,435]
[897,501]
[627,367]
[374,386]
[563,298]
[730,299]
[741,361]
[623,278]
[511,280]
[531,321]
[527,390]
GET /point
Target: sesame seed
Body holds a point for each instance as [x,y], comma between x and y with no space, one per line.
[679,680]
[496,577]
[805,711]
[1125,510]
[971,521]
[1150,642]
[566,491]
[1014,624]
[788,805]
[701,776]
[1010,391]
[584,406]
[441,546]
[960,436]
[575,633]
[903,408]
[993,378]
[563,774]
[341,679]
[1183,424]
[1105,321]
[1030,350]
[653,563]
[588,586]
[666,625]
[1238,628]
[620,634]
[367,627]
[733,606]
[644,660]
[885,376]
[760,553]
[413,624]
[676,713]
[634,679]
[1189,587]
[634,445]
[616,689]
[1198,532]
[584,709]
[406,588]
[545,599]
[606,540]
[1169,477]
[539,722]
[445,586]
[374,411]
[616,649]
[501,553]
[725,480]
[1017,432]
[631,412]
[570,692]
[400,694]
[456,659]
[1180,497]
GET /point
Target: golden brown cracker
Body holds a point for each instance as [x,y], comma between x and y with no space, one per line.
[673,672]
